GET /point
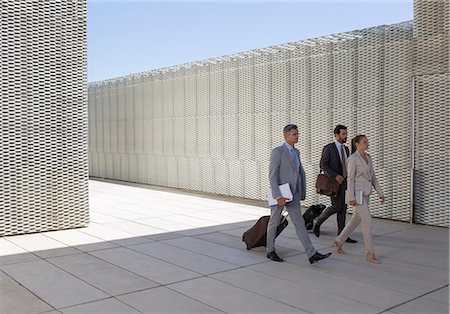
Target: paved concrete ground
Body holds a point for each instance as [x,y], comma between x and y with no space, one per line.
[159,251]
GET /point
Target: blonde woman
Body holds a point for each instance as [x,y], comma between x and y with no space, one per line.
[361,178]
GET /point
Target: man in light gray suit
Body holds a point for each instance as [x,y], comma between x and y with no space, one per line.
[286,167]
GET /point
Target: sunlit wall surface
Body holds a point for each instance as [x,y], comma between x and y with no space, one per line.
[210,125]
[44,170]
[432,112]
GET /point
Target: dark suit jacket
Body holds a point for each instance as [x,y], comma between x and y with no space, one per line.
[330,162]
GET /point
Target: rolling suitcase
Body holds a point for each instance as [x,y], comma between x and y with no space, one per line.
[256,235]
[312,213]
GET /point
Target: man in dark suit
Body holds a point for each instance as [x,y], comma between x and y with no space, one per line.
[334,164]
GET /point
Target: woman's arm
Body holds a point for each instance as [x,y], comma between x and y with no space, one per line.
[351,174]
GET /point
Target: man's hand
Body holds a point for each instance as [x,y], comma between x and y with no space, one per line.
[339,179]
[353,203]
[281,201]
[382,199]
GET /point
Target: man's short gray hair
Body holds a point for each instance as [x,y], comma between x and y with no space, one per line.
[289,127]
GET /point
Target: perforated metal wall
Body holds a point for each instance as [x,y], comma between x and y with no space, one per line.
[210,125]
[431,112]
[44,170]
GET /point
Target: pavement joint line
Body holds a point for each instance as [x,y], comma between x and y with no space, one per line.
[37,296]
[326,291]
[415,298]
[268,297]
[262,295]
[102,299]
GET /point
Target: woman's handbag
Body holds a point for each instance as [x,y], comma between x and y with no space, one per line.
[327,186]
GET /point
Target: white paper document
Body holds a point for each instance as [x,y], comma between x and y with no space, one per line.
[358,197]
[285,192]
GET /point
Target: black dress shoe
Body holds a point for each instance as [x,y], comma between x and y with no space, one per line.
[316,230]
[274,257]
[350,240]
[317,257]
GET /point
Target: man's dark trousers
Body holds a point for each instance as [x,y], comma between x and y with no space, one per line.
[337,207]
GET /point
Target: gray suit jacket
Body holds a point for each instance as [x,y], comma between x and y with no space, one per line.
[361,176]
[282,170]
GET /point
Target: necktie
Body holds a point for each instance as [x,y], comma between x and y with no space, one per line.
[294,158]
[344,164]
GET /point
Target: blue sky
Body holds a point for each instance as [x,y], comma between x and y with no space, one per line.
[127,37]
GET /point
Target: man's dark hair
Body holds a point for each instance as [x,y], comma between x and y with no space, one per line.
[338,128]
[289,127]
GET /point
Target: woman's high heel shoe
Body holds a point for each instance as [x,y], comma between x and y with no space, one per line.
[372,258]
[338,247]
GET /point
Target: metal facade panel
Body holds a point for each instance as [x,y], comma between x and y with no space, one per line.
[142,168]
[216,139]
[235,174]
[263,170]
[190,93]
[109,169]
[246,136]
[246,86]
[230,136]
[138,136]
[262,85]
[280,86]
[202,136]
[396,169]
[125,167]
[116,167]
[221,179]
[183,173]
[195,175]
[262,133]
[147,82]
[216,89]
[230,88]
[345,84]
[129,135]
[133,167]
[157,93]
[121,102]
[158,136]
[179,135]
[168,95]
[44,129]
[161,170]
[129,100]
[432,163]
[202,90]
[278,121]
[207,175]
[300,77]
[172,172]
[151,169]
[191,136]
[251,179]
[138,98]
[168,136]
[178,97]
[148,136]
